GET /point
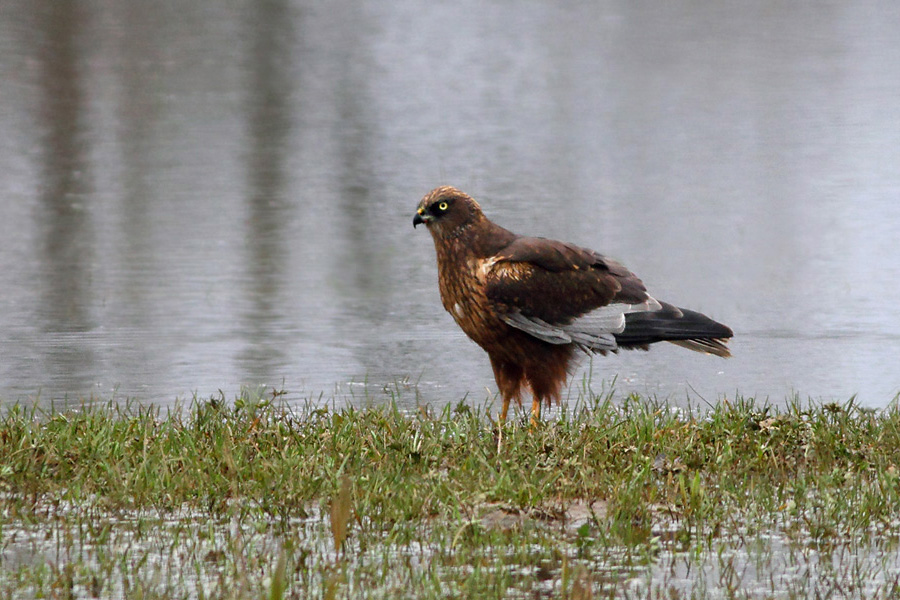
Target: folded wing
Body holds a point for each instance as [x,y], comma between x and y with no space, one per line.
[564,294]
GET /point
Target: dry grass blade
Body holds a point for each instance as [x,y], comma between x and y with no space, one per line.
[581,589]
[279,578]
[340,513]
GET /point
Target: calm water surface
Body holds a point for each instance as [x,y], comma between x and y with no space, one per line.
[198,196]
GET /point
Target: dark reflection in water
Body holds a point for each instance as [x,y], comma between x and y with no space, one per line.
[67,249]
[268,112]
[199,197]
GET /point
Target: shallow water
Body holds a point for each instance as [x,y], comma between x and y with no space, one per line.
[198,198]
[92,553]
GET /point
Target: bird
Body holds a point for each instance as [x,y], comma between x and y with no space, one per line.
[535,305]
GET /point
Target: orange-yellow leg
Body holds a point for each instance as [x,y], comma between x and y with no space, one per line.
[535,412]
[504,410]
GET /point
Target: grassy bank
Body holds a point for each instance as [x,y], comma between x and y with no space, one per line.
[611,498]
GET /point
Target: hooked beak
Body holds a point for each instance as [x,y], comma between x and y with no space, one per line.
[421,218]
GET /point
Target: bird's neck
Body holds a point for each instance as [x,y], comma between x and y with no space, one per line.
[479,238]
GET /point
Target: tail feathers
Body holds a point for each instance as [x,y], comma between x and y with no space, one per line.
[686,328]
[707,346]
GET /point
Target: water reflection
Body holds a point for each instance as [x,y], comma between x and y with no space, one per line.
[268,108]
[198,198]
[66,248]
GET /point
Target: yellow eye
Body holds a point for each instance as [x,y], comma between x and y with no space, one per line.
[442,206]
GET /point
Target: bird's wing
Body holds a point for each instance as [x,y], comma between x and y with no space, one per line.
[564,294]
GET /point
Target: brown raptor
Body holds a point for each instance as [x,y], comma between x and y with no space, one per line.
[532,303]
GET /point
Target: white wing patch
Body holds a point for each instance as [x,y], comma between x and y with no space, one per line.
[610,318]
[594,331]
[540,329]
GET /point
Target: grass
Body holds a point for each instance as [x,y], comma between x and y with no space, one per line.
[612,498]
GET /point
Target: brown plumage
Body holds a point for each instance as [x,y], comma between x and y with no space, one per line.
[532,303]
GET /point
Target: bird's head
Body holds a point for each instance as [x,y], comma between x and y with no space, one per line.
[446,211]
